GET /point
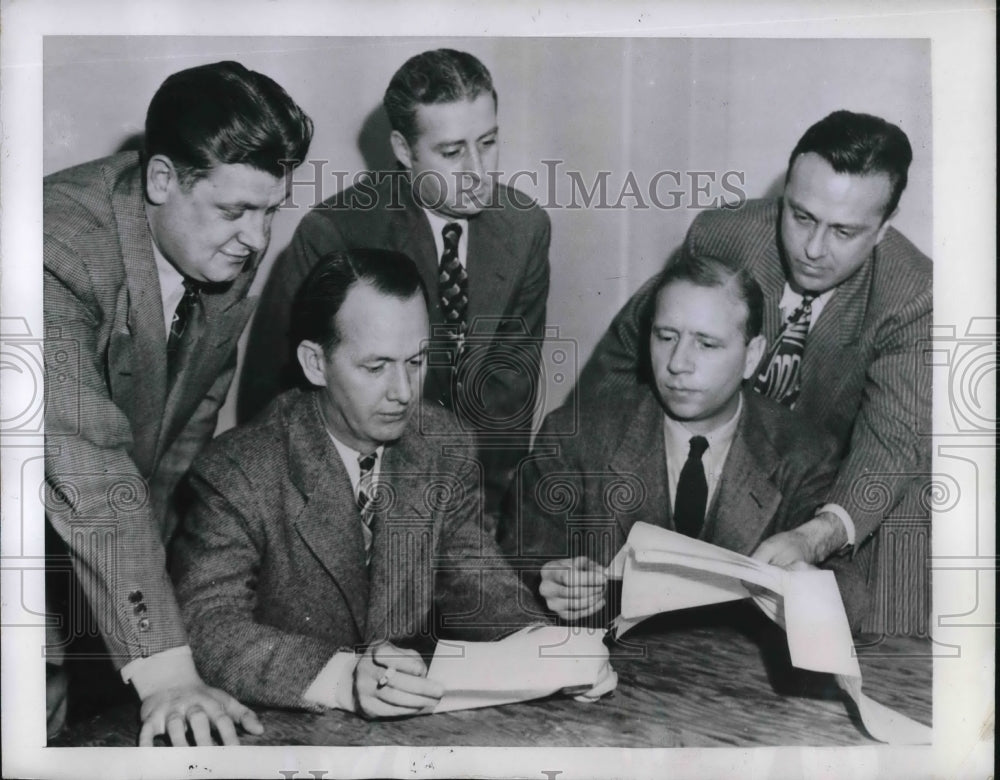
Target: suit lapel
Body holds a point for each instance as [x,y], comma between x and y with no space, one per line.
[329,521]
[746,500]
[834,336]
[401,577]
[641,454]
[489,273]
[409,232]
[145,321]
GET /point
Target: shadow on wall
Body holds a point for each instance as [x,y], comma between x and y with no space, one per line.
[373,141]
[132,143]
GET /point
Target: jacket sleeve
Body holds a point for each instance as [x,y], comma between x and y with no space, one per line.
[97,499]
[215,563]
[888,458]
[269,363]
[478,595]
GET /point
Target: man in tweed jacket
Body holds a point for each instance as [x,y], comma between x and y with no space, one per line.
[863,378]
[332,538]
[443,110]
[147,264]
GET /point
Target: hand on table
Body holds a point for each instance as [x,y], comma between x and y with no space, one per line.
[573,587]
[195,706]
[390,682]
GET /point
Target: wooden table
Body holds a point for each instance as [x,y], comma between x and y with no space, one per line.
[714,676]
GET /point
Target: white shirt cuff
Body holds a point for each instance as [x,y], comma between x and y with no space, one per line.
[161,670]
[839,511]
[334,685]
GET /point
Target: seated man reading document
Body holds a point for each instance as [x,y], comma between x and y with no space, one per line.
[334,537]
[693,453]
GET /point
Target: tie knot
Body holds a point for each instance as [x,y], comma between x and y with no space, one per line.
[451,232]
[191,287]
[698,446]
[367,463]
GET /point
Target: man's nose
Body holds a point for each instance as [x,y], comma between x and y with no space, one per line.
[255,231]
[681,359]
[816,245]
[400,386]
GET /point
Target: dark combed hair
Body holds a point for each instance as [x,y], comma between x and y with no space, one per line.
[860,144]
[439,76]
[221,114]
[324,290]
[710,271]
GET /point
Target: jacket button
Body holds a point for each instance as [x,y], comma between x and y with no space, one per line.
[139,609]
[135,596]
[144,624]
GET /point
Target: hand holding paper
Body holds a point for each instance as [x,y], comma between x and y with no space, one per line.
[391,682]
[573,587]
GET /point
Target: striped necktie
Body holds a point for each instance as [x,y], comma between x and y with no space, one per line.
[366,490]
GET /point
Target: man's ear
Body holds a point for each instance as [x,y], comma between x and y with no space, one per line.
[755,351]
[312,359]
[161,176]
[885,226]
[401,148]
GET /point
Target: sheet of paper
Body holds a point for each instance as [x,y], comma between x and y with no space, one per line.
[663,571]
[536,661]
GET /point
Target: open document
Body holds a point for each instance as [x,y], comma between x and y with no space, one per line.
[663,570]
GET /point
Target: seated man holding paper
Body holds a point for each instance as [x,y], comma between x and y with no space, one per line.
[332,538]
[693,454]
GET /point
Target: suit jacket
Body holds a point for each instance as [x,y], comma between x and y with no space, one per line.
[270,567]
[118,438]
[864,378]
[581,494]
[508,268]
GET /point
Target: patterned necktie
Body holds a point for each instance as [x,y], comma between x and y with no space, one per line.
[453,284]
[366,489]
[782,374]
[692,491]
[183,315]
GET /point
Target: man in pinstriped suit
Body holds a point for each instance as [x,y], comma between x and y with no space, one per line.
[861,375]
[147,263]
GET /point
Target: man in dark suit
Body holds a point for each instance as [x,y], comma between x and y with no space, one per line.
[481,247]
[147,262]
[692,452]
[847,302]
[330,540]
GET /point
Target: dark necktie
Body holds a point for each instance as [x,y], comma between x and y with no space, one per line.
[183,315]
[453,284]
[692,490]
[782,374]
[366,489]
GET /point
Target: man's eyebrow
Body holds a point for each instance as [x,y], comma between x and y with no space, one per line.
[836,225]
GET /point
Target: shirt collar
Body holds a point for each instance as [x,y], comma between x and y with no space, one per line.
[678,435]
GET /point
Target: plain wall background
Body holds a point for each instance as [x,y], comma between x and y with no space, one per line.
[627,106]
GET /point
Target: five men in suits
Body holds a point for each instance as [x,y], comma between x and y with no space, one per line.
[147,262]
[691,452]
[826,246]
[481,247]
[330,540]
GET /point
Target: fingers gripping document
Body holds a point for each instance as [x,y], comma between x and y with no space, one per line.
[663,570]
[536,661]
